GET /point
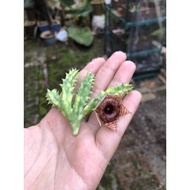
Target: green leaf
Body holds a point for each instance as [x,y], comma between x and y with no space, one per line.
[83,11]
[67,3]
[81,35]
[158,32]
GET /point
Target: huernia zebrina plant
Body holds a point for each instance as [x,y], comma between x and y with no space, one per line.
[75,104]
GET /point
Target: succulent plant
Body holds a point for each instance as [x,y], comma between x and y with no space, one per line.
[74,103]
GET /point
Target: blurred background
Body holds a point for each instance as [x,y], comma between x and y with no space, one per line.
[64,34]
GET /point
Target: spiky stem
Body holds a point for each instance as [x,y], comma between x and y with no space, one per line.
[74,105]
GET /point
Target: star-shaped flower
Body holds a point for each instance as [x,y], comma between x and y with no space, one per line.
[109,110]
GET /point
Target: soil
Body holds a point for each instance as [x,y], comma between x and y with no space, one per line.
[140,160]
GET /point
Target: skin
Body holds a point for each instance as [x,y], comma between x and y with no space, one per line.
[55,159]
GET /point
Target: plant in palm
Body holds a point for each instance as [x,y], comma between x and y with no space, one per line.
[74,103]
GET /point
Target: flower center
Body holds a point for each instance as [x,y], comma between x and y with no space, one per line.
[109,109]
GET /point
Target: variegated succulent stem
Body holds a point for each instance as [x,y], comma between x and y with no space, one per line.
[71,104]
[74,106]
[76,125]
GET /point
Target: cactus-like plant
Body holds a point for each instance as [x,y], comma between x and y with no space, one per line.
[74,105]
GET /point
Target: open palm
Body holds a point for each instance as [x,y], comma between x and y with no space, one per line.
[55,159]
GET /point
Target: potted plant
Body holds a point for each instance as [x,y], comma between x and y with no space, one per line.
[48,37]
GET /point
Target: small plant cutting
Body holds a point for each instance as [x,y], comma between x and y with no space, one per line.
[75,104]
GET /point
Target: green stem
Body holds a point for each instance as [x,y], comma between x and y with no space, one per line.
[76,126]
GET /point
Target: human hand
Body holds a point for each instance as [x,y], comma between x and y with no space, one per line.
[55,159]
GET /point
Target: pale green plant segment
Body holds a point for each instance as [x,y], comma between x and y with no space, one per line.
[73,104]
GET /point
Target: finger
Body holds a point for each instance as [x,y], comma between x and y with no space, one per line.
[107,139]
[107,72]
[92,67]
[123,75]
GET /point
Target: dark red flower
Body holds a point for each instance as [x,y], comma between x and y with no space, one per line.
[109,110]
